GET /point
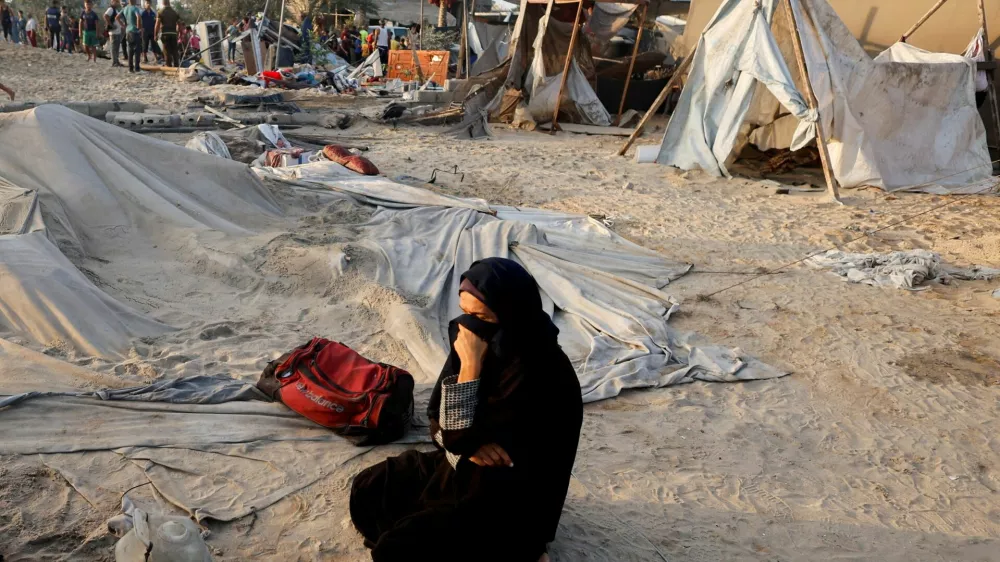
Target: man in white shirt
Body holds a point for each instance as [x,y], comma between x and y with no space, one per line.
[382,41]
[114,26]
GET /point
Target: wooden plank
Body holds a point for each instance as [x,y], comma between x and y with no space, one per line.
[824,155]
[921,21]
[991,88]
[569,59]
[681,70]
[631,64]
[590,129]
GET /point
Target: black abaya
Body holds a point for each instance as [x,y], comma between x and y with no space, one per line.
[440,505]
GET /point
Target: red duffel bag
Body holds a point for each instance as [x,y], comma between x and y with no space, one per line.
[332,385]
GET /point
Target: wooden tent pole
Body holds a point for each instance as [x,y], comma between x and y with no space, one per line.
[631,64]
[463,46]
[921,21]
[824,155]
[991,89]
[569,59]
[676,78]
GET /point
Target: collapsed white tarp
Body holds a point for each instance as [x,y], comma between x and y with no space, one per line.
[903,120]
[603,291]
[207,229]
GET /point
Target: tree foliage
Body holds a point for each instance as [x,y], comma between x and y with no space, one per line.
[227,10]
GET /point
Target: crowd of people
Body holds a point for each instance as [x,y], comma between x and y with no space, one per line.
[123,32]
[129,32]
[354,45]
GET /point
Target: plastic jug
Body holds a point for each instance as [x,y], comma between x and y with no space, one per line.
[163,538]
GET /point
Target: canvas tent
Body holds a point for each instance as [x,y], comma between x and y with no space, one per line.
[542,80]
[904,119]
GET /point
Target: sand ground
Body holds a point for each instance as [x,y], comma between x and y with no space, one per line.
[882,444]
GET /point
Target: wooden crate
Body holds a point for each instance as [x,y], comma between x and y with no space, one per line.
[434,65]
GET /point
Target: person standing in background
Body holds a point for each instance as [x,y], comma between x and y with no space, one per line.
[307,27]
[31,30]
[22,23]
[149,33]
[233,35]
[6,21]
[166,28]
[131,18]
[383,42]
[52,16]
[16,27]
[114,30]
[66,25]
[88,30]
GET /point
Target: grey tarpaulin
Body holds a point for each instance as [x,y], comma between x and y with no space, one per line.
[103,199]
[603,291]
[910,269]
[209,445]
[209,142]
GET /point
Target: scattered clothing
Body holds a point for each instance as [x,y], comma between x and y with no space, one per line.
[904,270]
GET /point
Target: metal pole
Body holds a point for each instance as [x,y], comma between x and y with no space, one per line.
[921,21]
[824,155]
[569,58]
[678,73]
[421,33]
[991,89]
[631,64]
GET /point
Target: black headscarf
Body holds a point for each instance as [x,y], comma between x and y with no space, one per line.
[523,330]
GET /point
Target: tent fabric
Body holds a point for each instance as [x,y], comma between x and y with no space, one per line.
[607,19]
[910,269]
[199,224]
[901,121]
[604,292]
[210,446]
[536,70]
[581,99]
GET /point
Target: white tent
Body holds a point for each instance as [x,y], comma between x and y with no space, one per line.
[906,119]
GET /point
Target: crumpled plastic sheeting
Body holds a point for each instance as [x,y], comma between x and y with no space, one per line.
[45,297]
[603,291]
[209,445]
[544,89]
[909,270]
[209,142]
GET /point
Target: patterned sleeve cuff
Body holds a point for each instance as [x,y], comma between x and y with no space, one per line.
[452,457]
[458,403]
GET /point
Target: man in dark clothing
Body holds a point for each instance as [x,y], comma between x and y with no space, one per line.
[66,24]
[131,18]
[306,27]
[148,33]
[166,27]
[52,16]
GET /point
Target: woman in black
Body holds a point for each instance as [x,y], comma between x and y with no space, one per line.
[6,20]
[505,415]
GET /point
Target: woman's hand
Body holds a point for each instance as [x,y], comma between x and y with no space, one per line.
[491,455]
[470,349]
